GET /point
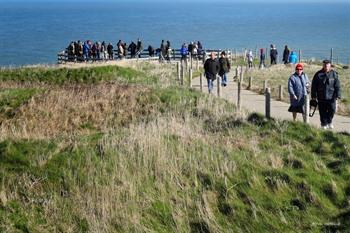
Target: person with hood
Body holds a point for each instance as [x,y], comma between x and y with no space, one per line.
[71,51]
[211,69]
[132,48]
[262,59]
[286,53]
[298,84]
[273,54]
[326,89]
[150,51]
[225,67]
[293,58]
[184,53]
[200,49]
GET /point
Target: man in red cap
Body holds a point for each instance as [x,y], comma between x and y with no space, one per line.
[298,84]
[326,89]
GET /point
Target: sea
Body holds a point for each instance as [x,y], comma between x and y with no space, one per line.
[34,32]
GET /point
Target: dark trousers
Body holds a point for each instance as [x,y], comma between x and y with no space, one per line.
[327,110]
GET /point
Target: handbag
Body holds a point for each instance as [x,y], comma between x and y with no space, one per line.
[313,107]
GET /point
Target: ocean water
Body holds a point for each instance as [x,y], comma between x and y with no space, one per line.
[32,33]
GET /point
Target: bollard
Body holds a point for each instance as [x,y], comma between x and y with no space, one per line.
[182,75]
[239,96]
[280,92]
[268,103]
[201,81]
[219,87]
[306,115]
[178,68]
[190,77]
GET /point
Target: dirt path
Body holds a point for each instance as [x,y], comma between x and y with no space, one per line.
[254,102]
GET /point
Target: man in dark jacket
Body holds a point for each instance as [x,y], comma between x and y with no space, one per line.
[132,48]
[326,88]
[225,67]
[286,53]
[211,68]
[273,54]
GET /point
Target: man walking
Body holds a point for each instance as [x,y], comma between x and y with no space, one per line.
[225,67]
[211,68]
[326,89]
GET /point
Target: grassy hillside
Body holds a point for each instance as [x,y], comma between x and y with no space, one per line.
[131,152]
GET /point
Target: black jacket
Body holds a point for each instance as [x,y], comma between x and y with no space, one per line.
[225,66]
[211,68]
[325,86]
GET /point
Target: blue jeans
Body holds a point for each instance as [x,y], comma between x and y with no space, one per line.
[224,80]
[210,85]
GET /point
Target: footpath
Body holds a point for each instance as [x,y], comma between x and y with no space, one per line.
[253,102]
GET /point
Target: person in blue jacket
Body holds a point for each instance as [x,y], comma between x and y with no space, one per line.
[184,53]
[293,58]
[298,85]
[86,50]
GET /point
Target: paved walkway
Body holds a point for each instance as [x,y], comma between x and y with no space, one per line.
[254,102]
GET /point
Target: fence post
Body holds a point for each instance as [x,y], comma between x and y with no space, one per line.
[299,55]
[236,75]
[182,74]
[331,56]
[280,92]
[197,64]
[250,83]
[241,75]
[239,95]
[265,85]
[307,109]
[191,60]
[219,87]
[190,77]
[201,81]
[268,103]
[178,71]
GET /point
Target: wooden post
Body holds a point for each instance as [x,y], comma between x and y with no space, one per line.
[236,54]
[197,64]
[231,57]
[236,76]
[331,58]
[250,83]
[191,60]
[280,92]
[219,87]
[241,75]
[239,96]
[182,74]
[190,77]
[204,56]
[201,81]
[265,85]
[306,115]
[268,103]
[178,68]
[299,55]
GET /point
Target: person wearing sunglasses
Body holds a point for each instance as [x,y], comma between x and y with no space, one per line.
[326,89]
[298,84]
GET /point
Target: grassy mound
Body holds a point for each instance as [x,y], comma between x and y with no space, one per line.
[124,157]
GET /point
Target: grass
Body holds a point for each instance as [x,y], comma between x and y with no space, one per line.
[142,158]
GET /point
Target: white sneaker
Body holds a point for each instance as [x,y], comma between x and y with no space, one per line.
[330,126]
[324,126]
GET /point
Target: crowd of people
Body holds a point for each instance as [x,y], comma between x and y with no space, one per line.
[96,51]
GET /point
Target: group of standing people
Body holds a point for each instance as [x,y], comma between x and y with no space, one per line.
[92,51]
[289,56]
[325,91]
